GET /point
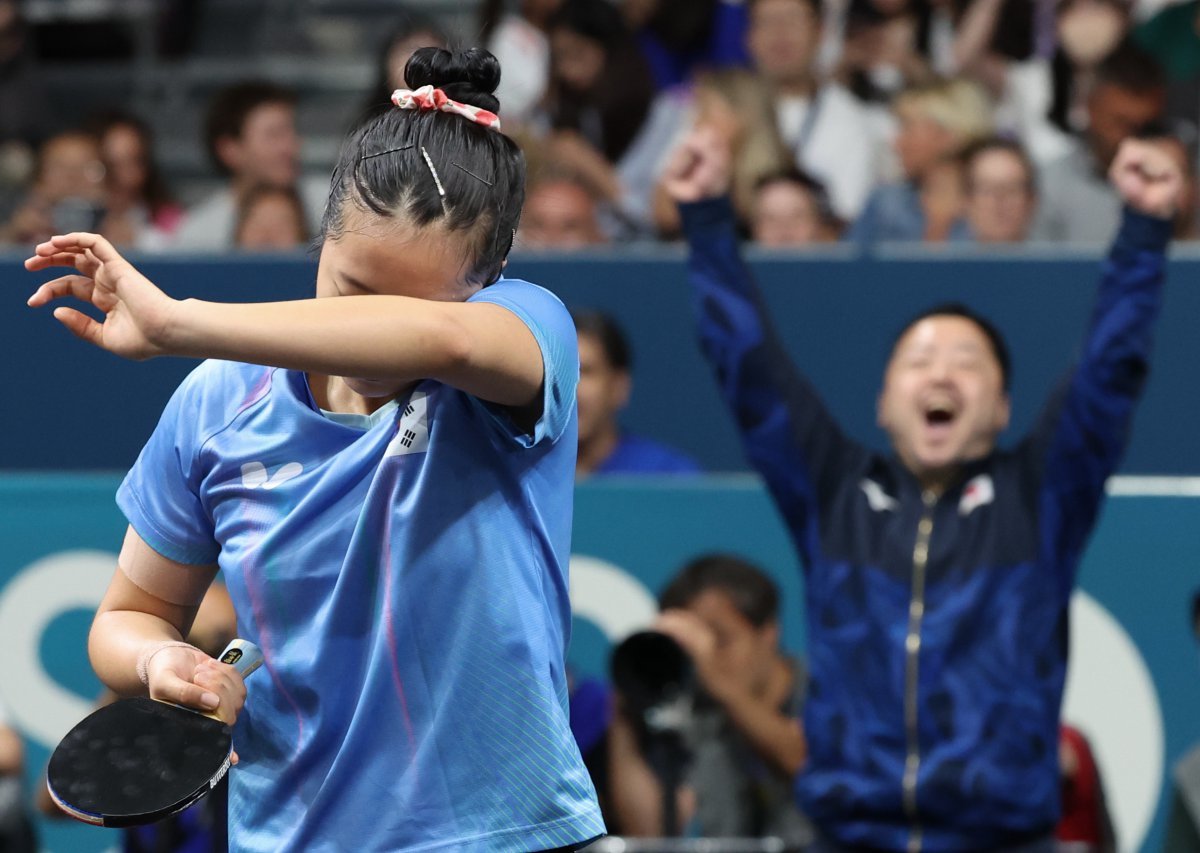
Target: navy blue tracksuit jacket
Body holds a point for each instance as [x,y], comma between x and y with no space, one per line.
[937,625]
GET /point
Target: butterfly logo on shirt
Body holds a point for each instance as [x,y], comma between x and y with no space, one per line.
[256,476]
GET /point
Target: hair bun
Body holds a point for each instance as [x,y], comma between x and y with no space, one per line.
[470,77]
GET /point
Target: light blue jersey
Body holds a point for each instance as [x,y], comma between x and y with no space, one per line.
[407,583]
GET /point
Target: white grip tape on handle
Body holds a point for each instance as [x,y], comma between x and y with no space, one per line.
[243,656]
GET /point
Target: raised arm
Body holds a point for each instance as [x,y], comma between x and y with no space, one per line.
[478,347]
[1083,433]
[787,433]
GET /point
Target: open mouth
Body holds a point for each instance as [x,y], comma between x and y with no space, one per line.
[940,416]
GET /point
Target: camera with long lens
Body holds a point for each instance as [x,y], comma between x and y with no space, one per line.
[654,676]
[657,683]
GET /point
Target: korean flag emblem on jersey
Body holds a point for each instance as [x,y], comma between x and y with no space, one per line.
[412,435]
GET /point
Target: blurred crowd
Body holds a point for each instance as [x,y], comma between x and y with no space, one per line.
[935,121]
[861,121]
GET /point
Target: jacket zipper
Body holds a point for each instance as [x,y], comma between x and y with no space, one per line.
[912,651]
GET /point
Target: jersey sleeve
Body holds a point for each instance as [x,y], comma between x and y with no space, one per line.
[161,496]
[550,324]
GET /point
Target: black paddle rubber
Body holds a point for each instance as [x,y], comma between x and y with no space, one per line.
[139,760]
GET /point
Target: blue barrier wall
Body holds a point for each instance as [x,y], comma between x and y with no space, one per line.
[837,315]
[74,409]
[1133,685]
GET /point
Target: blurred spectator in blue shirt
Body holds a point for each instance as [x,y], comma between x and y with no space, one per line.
[605,383]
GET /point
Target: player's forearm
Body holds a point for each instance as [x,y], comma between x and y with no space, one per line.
[393,338]
[369,337]
[118,639]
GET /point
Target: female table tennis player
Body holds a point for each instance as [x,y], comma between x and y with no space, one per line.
[385,480]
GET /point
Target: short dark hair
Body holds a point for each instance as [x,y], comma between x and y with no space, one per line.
[999,143]
[1131,68]
[810,184]
[605,329]
[436,167]
[957,309]
[231,106]
[754,595]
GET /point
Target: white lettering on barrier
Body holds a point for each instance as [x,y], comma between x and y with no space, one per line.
[39,593]
[609,597]
[1109,694]
[1111,698]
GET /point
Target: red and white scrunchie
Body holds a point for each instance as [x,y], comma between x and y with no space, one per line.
[429,98]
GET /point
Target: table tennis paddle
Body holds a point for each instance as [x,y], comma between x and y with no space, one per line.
[139,760]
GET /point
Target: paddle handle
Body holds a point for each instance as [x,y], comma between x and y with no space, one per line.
[243,656]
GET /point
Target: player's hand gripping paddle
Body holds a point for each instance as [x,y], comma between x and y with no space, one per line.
[139,760]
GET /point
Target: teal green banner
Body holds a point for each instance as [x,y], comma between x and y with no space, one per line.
[1133,688]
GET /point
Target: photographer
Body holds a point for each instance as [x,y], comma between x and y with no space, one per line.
[745,735]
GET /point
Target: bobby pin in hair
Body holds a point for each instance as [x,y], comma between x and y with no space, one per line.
[433,171]
[472,174]
[388,151]
[358,163]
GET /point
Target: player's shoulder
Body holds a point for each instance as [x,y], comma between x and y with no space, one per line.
[517,289]
[214,376]
[532,302]
[216,391]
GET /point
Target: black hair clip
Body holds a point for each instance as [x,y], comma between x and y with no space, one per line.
[388,151]
[472,174]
